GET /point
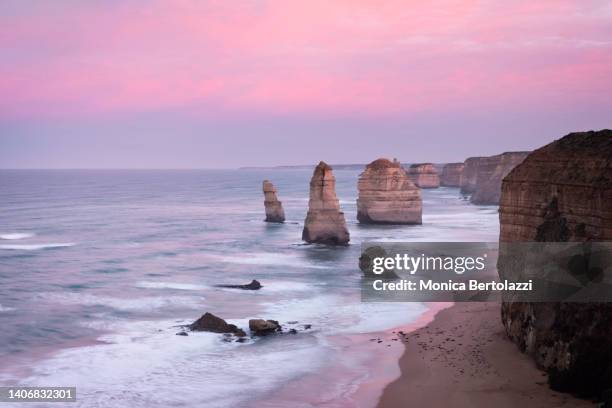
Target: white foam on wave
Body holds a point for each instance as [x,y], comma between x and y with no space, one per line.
[149,303]
[144,363]
[6,309]
[287,286]
[170,285]
[16,235]
[332,314]
[145,367]
[34,247]
[270,259]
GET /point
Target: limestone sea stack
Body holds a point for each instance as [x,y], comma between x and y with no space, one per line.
[387,195]
[324,222]
[424,175]
[490,173]
[562,192]
[469,174]
[274,208]
[451,174]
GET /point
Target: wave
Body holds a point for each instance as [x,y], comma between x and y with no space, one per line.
[332,314]
[6,309]
[16,235]
[34,247]
[130,304]
[270,259]
[170,285]
[287,286]
[160,369]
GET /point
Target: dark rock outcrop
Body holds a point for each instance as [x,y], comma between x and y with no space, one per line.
[451,175]
[387,195]
[424,175]
[490,173]
[274,208]
[261,327]
[562,192]
[254,285]
[211,323]
[324,222]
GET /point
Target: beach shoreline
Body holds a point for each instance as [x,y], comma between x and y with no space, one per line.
[462,358]
[338,384]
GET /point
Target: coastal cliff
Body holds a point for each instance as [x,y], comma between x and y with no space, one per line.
[274,208]
[490,173]
[562,192]
[469,174]
[451,174]
[387,195]
[424,175]
[324,222]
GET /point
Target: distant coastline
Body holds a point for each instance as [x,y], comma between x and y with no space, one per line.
[358,166]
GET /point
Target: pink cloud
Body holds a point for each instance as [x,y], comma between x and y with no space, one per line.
[321,57]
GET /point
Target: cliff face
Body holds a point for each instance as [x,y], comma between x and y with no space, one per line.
[451,174]
[490,173]
[274,208]
[324,222]
[562,192]
[387,196]
[468,177]
[424,175]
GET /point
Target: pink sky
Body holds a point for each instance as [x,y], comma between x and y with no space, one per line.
[331,59]
[337,57]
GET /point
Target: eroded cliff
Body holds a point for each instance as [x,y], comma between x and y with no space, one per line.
[387,195]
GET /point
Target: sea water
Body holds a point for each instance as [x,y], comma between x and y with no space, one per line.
[100,268]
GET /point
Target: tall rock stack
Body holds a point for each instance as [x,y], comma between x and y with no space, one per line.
[562,192]
[490,173]
[451,174]
[424,175]
[324,222]
[274,208]
[387,195]
[469,174]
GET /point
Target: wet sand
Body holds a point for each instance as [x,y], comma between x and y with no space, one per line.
[463,359]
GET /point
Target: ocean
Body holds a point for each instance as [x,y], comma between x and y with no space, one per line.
[100,268]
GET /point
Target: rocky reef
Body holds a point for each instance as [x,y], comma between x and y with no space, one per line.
[253,285]
[387,195]
[562,192]
[262,327]
[211,323]
[258,327]
[424,175]
[324,222]
[469,175]
[451,174]
[489,175]
[274,208]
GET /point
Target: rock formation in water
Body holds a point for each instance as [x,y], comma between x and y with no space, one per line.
[424,175]
[562,192]
[261,327]
[490,173]
[451,174]
[469,174]
[253,285]
[324,222]
[274,208]
[211,323]
[387,195]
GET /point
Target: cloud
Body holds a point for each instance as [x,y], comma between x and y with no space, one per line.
[388,58]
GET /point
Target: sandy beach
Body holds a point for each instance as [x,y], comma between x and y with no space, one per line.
[463,359]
